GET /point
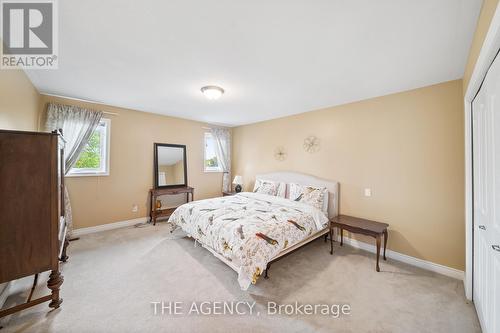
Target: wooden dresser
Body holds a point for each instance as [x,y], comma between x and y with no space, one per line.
[32,225]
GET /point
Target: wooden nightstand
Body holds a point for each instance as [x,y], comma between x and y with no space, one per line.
[228,193]
[361,226]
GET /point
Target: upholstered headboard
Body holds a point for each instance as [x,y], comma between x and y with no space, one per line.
[303,179]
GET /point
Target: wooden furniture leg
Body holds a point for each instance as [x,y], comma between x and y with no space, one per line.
[35,281]
[331,240]
[341,237]
[378,252]
[153,207]
[385,242]
[54,283]
[14,309]
[267,269]
[64,256]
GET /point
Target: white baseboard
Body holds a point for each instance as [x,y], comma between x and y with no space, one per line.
[109,226]
[424,264]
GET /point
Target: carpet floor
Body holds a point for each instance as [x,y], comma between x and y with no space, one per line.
[114,278]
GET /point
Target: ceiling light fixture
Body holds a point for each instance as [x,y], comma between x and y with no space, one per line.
[212,92]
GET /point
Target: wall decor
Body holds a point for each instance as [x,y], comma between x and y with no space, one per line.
[311,144]
[280,153]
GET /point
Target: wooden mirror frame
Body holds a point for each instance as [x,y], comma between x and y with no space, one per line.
[156,146]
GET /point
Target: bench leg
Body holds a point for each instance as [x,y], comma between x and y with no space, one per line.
[378,252]
[341,237]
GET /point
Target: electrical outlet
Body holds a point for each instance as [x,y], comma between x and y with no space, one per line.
[135,208]
[368,192]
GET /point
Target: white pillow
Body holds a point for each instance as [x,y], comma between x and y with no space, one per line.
[281,190]
[312,195]
[270,187]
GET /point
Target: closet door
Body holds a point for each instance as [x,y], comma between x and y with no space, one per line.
[493,93]
[486,166]
[482,214]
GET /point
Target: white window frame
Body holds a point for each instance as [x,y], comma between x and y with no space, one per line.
[205,168]
[104,156]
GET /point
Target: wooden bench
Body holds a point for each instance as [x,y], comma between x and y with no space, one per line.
[361,226]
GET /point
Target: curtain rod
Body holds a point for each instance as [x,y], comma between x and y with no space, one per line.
[82,100]
[215,126]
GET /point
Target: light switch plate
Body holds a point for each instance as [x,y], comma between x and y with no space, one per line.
[135,208]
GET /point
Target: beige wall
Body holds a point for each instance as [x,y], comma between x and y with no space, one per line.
[18,101]
[107,199]
[487,12]
[407,147]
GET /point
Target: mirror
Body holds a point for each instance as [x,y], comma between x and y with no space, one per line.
[170,165]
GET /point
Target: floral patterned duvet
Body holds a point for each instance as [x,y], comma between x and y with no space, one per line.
[248,229]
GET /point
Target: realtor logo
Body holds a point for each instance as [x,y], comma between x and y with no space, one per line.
[29,34]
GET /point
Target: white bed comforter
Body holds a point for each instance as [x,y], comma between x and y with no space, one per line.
[248,229]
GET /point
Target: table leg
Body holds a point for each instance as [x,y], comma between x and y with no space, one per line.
[378,252]
[153,207]
[385,242]
[341,237]
[331,240]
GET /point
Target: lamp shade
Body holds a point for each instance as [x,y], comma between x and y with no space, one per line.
[238,180]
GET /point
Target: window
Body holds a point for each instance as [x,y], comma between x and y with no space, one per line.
[94,159]
[211,163]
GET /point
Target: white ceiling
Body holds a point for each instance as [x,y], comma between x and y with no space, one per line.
[273,58]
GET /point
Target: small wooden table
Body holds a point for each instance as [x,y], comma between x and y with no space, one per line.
[361,226]
[154,193]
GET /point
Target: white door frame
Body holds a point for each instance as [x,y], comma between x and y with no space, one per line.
[488,52]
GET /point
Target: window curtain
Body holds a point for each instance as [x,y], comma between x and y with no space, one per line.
[222,137]
[77,126]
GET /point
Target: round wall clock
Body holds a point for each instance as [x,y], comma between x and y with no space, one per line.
[280,153]
[311,144]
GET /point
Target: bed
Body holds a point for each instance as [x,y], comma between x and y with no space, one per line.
[249,231]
